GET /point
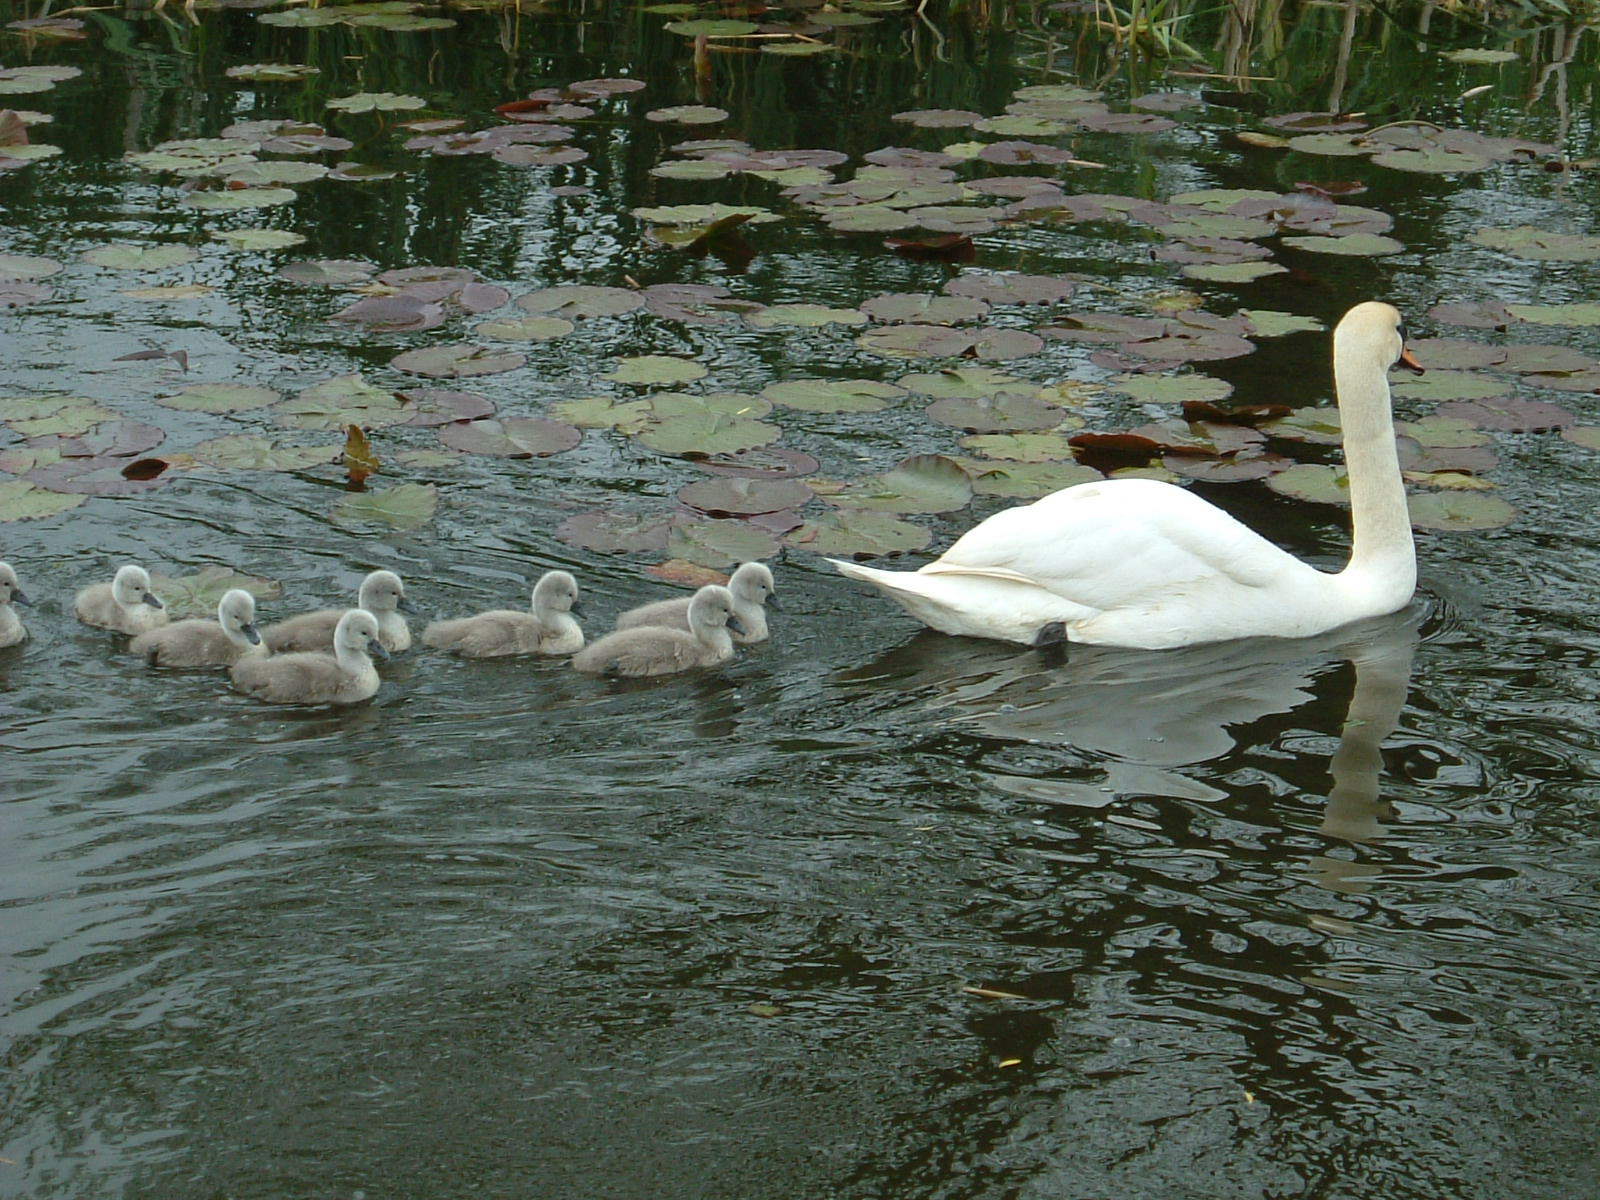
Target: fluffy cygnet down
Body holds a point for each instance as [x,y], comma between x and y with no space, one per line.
[751,588]
[12,630]
[382,594]
[548,628]
[126,604]
[197,643]
[311,677]
[657,650]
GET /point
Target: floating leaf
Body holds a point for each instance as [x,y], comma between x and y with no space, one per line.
[1359,245]
[1459,511]
[340,401]
[1052,446]
[733,496]
[272,72]
[404,506]
[21,501]
[42,416]
[359,459]
[1554,314]
[1172,389]
[197,595]
[268,174]
[1011,289]
[858,533]
[27,266]
[1001,412]
[1480,57]
[328,272]
[1524,241]
[524,329]
[436,406]
[239,199]
[1236,272]
[1512,416]
[1442,432]
[688,114]
[1313,481]
[803,316]
[124,257]
[457,361]
[932,310]
[363,102]
[579,301]
[720,543]
[711,27]
[930,483]
[1025,481]
[761,461]
[1587,436]
[1267,323]
[963,383]
[656,369]
[602,412]
[616,532]
[249,453]
[696,425]
[219,397]
[1451,385]
[258,239]
[833,395]
[1433,160]
[511,437]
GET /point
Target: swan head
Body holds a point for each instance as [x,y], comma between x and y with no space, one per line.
[382,592]
[556,591]
[10,588]
[712,608]
[357,633]
[753,581]
[131,586]
[1374,329]
[236,613]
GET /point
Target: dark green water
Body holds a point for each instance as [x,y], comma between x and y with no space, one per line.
[1270,919]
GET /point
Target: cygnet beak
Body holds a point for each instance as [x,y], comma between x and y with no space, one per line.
[1410,363]
[735,624]
[251,634]
[405,605]
[17,597]
[772,602]
[375,648]
[153,600]
[576,608]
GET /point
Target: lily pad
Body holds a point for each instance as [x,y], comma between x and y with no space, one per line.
[27,266]
[437,406]
[602,412]
[1025,481]
[239,199]
[197,595]
[901,307]
[1587,436]
[1480,57]
[457,361]
[511,437]
[1451,385]
[219,397]
[363,102]
[124,257]
[1434,160]
[688,114]
[1453,510]
[249,453]
[694,425]
[1524,241]
[858,533]
[42,416]
[733,496]
[712,27]
[1050,446]
[613,532]
[258,239]
[404,506]
[1556,314]
[22,501]
[720,543]
[833,395]
[656,369]
[962,383]
[1172,389]
[1002,412]
[1356,245]
[1234,272]
[328,272]
[577,301]
[524,329]
[930,483]
[1313,481]
[341,401]
[1011,289]
[803,316]
[1511,416]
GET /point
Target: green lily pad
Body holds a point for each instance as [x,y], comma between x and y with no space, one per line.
[1172,389]
[42,416]
[272,72]
[1451,385]
[1026,480]
[239,199]
[27,266]
[1318,425]
[1508,415]
[930,483]
[1356,245]
[271,174]
[687,114]
[858,533]
[1587,436]
[457,361]
[1442,432]
[803,316]
[700,215]
[712,27]
[258,239]
[21,501]
[124,257]
[524,329]
[400,22]
[404,506]
[1011,289]
[833,395]
[719,543]
[1313,481]
[965,383]
[1268,323]
[656,369]
[1338,145]
[511,437]
[1002,412]
[578,301]
[1455,511]
[364,102]
[900,307]
[1234,272]
[340,401]
[735,496]
[1480,57]
[692,168]
[1051,446]
[197,595]
[1432,161]
[1524,241]
[249,453]
[1556,314]
[219,397]
[868,218]
[696,425]
[613,532]
[602,412]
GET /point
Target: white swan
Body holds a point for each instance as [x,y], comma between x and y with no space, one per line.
[657,650]
[12,629]
[751,587]
[382,594]
[311,677]
[548,628]
[197,643]
[126,604]
[1150,565]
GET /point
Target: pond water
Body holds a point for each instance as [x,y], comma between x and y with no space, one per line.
[870,912]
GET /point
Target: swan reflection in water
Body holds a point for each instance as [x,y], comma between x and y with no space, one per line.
[1144,713]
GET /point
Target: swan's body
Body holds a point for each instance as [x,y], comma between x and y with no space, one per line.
[310,677]
[382,594]
[220,643]
[1150,565]
[548,628]
[656,650]
[12,629]
[126,604]
[751,587]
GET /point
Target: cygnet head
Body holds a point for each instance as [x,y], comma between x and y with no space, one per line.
[10,589]
[711,607]
[131,586]
[382,592]
[556,591]
[753,582]
[236,613]
[357,633]
[1374,328]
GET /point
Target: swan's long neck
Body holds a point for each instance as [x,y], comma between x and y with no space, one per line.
[1382,558]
